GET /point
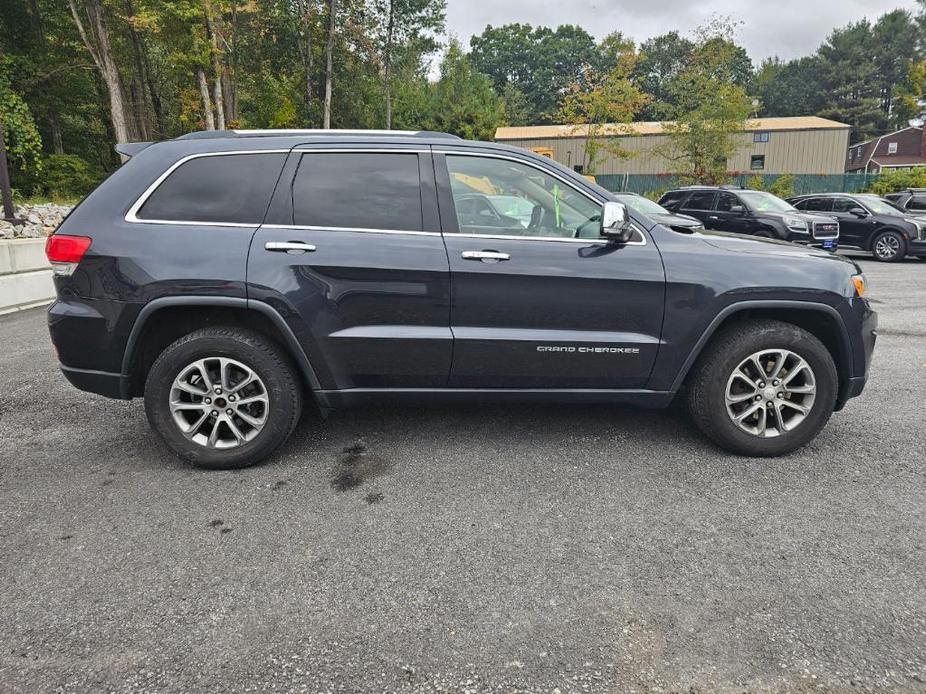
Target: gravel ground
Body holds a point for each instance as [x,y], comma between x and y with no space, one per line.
[587,549]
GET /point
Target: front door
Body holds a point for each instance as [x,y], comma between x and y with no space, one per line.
[853,230]
[539,300]
[730,214]
[351,256]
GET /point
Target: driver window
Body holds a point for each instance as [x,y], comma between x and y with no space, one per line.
[504,198]
[726,202]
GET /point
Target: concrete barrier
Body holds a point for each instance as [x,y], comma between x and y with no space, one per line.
[25,275]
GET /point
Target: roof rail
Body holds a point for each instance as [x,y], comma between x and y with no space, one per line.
[211,134]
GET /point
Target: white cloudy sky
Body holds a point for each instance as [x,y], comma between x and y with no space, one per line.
[787,28]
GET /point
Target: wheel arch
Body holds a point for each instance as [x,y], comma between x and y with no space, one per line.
[820,320]
[164,320]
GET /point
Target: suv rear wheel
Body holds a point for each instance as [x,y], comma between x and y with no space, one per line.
[764,388]
[223,397]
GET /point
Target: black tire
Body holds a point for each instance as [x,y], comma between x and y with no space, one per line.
[707,386]
[886,241]
[278,378]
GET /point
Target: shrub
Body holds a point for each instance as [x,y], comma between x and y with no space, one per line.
[783,186]
[899,179]
[65,176]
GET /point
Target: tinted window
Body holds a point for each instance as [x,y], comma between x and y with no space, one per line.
[726,201]
[815,204]
[359,190]
[485,190]
[844,204]
[917,202]
[228,188]
[700,201]
[670,200]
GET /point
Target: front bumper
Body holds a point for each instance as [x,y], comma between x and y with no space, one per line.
[862,325]
[916,248]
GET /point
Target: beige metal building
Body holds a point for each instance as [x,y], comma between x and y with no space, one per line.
[797,145]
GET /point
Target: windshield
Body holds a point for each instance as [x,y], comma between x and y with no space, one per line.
[760,201]
[638,203]
[879,205]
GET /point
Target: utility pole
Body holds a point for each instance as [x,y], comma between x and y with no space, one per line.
[5,192]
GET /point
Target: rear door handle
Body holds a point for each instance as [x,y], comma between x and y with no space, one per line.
[485,256]
[289,246]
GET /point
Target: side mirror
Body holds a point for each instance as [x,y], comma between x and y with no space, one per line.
[738,209]
[858,212]
[615,223]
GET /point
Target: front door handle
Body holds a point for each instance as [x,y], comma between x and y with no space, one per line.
[289,246]
[485,256]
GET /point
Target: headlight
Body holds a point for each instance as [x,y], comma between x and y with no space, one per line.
[859,282]
[795,224]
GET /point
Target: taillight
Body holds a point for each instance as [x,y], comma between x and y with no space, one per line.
[65,252]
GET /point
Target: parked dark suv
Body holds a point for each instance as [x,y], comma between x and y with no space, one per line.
[870,223]
[912,201]
[225,277]
[752,212]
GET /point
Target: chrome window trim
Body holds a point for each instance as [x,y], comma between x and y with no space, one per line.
[132,215]
[543,170]
[363,230]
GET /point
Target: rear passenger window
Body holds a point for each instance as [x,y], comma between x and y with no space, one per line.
[816,205]
[700,201]
[226,188]
[358,190]
[917,202]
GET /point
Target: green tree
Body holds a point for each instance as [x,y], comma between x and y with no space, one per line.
[789,88]
[848,79]
[662,60]
[403,22]
[462,101]
[21,137]
[709,108]
[540,63]
[598,104]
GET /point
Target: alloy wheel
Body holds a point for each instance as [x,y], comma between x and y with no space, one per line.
[219,402]
[887,246]
[770,393]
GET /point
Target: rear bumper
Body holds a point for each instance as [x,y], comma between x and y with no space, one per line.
[111,385]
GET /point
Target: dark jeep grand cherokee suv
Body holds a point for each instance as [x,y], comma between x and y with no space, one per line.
[225,277]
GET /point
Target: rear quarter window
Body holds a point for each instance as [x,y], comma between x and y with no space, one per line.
[221,189]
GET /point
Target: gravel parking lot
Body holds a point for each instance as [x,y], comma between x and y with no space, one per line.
[515,548]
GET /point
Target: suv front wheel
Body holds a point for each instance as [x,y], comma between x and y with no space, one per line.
[223,398]
[764,388]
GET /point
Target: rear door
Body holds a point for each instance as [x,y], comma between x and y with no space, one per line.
[544,302]
[700,204]
[351,255]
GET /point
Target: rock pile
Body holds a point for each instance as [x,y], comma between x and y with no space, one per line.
[40,220]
